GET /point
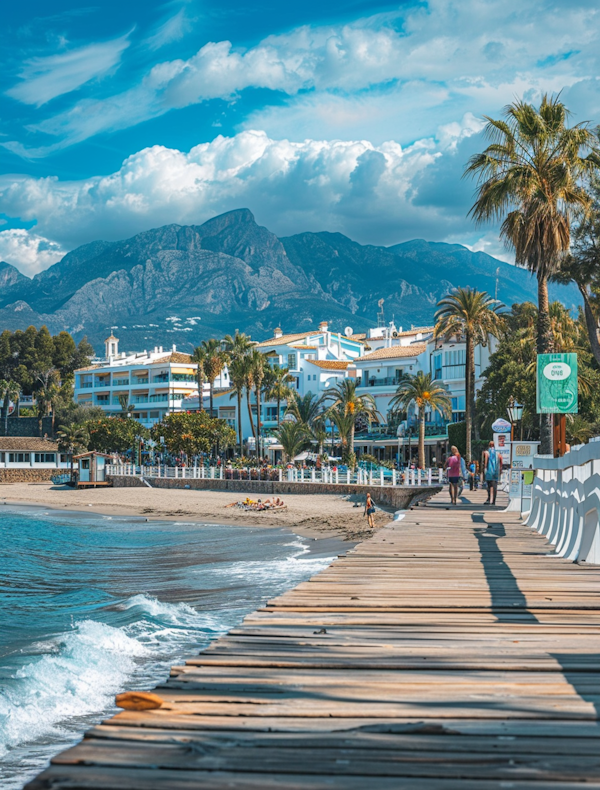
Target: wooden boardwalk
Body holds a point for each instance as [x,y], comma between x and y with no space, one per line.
[448,651]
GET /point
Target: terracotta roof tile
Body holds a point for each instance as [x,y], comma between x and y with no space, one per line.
[330,364]
[174,356]
[395,352]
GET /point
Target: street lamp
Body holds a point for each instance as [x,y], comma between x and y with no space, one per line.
[515,413]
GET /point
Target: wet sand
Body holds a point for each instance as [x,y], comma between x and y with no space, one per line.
[311,516]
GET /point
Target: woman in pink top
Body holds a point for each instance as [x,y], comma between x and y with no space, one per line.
[453,467]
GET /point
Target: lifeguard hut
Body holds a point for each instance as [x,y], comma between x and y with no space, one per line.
[92,469]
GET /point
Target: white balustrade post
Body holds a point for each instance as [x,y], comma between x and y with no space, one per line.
[212,472]
[348,476]
[370,477]
[429,476]
[381,477]
[280,475]
[440,475]
[221,472]
[393,477]
[337,477]
[302,475]
[313,475]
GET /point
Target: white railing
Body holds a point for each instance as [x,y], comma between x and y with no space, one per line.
[328,476]
[565,503]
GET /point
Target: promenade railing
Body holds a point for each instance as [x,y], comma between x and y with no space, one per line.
[326,476]
[565,503]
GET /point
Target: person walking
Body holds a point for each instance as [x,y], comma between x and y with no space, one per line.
[463,476]
[370,511]
[492,469]
[453,467]
[472,471]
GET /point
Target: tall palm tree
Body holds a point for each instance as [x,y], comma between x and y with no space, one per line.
[278,387]
[199,357]
[214,358]
[9,391]
[237,347]
[344,397]
[426,394]
[530,178]
[127,408]
[293,436]
[72,438]
[473,315]
[237,378]
[256,371]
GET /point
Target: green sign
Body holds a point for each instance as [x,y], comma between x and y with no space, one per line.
[557,384]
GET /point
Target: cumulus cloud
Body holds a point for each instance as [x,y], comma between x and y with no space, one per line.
[355,187]
[29,252]
[46,78]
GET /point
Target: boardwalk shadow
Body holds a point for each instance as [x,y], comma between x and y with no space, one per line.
[580,670]
[508,602]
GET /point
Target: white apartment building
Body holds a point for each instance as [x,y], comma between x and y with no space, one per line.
[158,382]
[153,382]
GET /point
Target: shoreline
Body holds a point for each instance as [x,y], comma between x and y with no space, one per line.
[313,517]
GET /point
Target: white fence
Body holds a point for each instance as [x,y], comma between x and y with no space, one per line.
[412,477]
[565,505]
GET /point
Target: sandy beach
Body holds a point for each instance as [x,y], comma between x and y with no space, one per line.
[307,515]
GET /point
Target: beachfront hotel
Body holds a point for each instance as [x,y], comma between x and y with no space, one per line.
[158,382]
[154,383]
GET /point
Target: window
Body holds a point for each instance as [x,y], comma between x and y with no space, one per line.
[63,458]
[19,458]
[458,403]
[291,362]
[271,413]
[2,457]
[456,357]
[45,458]
[437,366]
[154,415]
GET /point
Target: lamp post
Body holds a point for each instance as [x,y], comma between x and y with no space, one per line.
[515,413]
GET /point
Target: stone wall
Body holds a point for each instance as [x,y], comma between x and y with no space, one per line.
[28,475]
[26,426]
[397,497]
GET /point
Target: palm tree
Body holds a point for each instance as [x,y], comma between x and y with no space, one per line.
[293,436]
[71,438]
[344,397]
[425,393]
[344,424]
[199,357]
[530,178]
[256,375]
[237,378]
[579,430]
[237,347]
[47,392]
[305,409]
[213,359]
[473,315]
[278,387]
[126,408]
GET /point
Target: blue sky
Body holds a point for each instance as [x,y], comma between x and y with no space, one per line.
[355,117]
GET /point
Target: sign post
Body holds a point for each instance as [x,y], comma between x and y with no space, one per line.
[521,476]
[557,392]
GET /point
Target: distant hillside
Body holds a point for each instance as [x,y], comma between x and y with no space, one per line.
[180,284]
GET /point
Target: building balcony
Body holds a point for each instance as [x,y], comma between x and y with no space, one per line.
[86,385]
[384,381]
[135,381]
[183,377]
[102,383]
[120,382]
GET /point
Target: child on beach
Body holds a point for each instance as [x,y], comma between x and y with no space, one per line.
[370,511]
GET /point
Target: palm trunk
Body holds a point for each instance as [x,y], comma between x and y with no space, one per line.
[200,391]
[278,412]
[422,437]
[469,395]
[258,420]
[239,417]
[591,323]
[210,395]
[248,393]
[352,432]
[544,346]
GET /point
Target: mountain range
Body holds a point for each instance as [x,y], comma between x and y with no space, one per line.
[180,284]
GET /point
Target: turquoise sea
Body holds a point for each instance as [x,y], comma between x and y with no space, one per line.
[91,605]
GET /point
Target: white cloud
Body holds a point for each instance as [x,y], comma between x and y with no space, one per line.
[46,78]
[171,29]
[27,251]
[350,186]
[431,64]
